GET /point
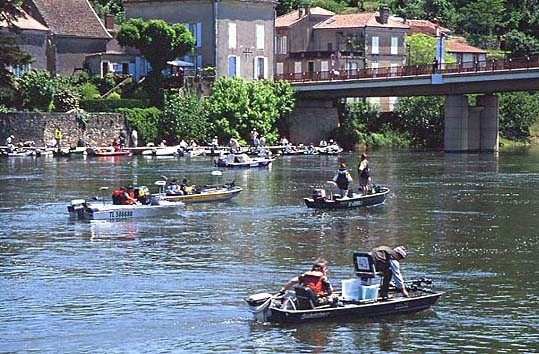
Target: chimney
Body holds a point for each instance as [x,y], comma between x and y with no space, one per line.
[109,21]
[384,14]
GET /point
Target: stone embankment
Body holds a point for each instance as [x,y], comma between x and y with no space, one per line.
[97,129]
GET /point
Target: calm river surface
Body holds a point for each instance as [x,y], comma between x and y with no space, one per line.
[470,222]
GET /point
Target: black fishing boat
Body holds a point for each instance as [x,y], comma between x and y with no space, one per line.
[298,305]
[377,195]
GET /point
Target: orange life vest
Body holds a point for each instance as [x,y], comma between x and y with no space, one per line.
[314,280]
[130,201]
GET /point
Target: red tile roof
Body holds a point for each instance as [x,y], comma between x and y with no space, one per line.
[291,18]
[425,27]
[71,18]
[26,22]
[459,45]
[369,19]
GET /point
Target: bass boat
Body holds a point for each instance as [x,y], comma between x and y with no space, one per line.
[242,161]
[357,300]
[319,200]
[206,194]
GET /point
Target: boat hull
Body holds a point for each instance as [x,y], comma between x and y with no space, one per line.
[206,196]
[356,201]
[375,309]
[86,211]
[251,164]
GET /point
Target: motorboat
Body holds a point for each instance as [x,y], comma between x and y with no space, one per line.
[206,194]
[150,206]
[71,152]
[333,149]
[320,200]
[242,161]
[92,151]
[358,299]
[163,151]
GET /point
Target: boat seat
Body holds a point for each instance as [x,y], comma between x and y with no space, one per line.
[365,266]
[306,298]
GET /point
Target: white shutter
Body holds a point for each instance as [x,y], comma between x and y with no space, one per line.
[231,35]
[265,68]
[374,45]
[260,37]
[238,67]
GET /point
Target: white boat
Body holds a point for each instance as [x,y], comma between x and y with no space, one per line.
[82,210]
[163,151]
[103,210]
[242,161]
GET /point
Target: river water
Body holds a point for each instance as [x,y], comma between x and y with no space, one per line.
[175,285]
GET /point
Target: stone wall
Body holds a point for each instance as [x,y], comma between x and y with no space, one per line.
[95,128]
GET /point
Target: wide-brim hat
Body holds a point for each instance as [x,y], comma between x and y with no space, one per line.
[401,250]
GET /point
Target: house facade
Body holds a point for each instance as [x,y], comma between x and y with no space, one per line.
[236,37]
[74,31]
[318,43]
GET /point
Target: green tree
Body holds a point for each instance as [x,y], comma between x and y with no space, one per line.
[159,43]
[422,50]
[518,111]
[182,119]
[481,19]
[422,118]
[37,90]
[145,121]
[235,107]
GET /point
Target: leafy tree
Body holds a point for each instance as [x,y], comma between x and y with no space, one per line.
[520,44]
[518,111]
[480,19]
[145,121]
[422,50]
[37,90]
[422,118]
[182,119]
[236,107]
[159,43]
[9,11]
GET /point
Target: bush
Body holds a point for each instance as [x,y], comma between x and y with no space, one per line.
[37,90]
[88,91]
[145,121]
[182,118]
[112,105]
[114,96]
[65,100]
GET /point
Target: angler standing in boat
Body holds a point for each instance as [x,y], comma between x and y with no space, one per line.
[343,179]
[317,281]
[386,260]
[364,173]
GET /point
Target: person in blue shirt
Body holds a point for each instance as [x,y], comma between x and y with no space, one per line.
[386,260]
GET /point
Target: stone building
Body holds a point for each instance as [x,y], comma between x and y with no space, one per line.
[70,30]
[236,37]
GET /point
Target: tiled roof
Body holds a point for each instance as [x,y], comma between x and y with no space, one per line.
[425,27]
[459,45]
[71,18]
[363,19]
[26,22]
[291,18]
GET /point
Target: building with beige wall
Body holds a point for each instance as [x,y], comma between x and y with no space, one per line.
[236,37]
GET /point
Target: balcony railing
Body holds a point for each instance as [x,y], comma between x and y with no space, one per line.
[488,65]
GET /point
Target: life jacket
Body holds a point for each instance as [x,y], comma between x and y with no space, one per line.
[129,201]
[364,172]
[315,281]
[118,197]
[342,179]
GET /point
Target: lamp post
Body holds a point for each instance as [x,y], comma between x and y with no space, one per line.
[408,58]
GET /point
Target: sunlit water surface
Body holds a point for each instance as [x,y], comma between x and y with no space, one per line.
[164,285]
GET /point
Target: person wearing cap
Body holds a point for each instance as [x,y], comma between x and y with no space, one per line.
[343,179]
[386,260]
[364,173]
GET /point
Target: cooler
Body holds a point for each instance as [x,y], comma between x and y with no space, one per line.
[351,289]
[368,292]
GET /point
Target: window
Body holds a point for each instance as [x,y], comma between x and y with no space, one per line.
[233,66]
[231,35]
[297,67]
[374,45]
[395,45]
[260,68]
[280,68]
[260,37]
[196,31]
[330,47]
[394,69]
[374,101]
[392,102]
[281,45]
[374,68]
[324,66]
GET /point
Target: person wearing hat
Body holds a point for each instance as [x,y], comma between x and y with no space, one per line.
[386,260]
[364,173]
[343,179]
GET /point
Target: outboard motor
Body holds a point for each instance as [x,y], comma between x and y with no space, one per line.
[319,194]
[76,209]
[143,195]
[258,303]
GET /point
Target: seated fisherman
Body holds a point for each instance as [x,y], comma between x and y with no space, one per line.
[186,188]
[386,260]
[316,280]
[173,188]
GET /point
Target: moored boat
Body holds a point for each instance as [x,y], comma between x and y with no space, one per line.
[242,161]
[164,151]
[319,200]
[298,305]
[106,153]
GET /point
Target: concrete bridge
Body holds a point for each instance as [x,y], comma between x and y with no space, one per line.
[466,128]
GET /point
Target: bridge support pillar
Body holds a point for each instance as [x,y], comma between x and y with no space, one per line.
[471,128]
[312,120]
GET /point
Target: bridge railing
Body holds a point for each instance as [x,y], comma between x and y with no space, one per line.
[413,70]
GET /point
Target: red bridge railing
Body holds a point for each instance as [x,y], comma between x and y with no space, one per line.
[488,65]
